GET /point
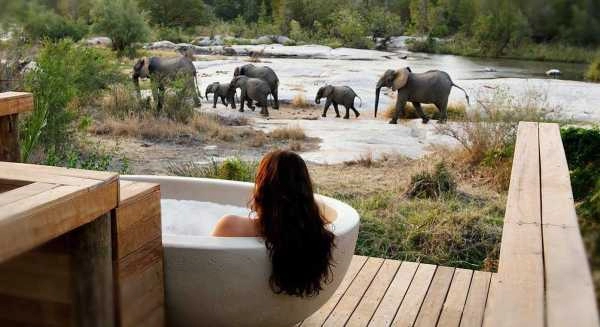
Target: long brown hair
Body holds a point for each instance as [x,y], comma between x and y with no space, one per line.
[298,243]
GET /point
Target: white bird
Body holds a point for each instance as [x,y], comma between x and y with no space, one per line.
[553,72]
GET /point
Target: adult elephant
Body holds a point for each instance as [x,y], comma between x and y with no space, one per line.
[253,89]
[162,71]
[263,72]
[430,87]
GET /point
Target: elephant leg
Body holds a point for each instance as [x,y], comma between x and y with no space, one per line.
[192,87]
[355,111]
[231,100]
[400,103]
[420,112]
[243,97]
[443,108]
[347,116]
[327,104]
[215,99]
[161,97]
[275,98]
[251,104]
[337,111]
[223,101]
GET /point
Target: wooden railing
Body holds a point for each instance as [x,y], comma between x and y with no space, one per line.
[543,276]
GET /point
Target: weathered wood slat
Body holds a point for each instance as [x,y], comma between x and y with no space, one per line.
[570,296]
[319,317]
[456,298]
[24,192]
[138,222]
[15,102]
[130,191]
[386,311]
[60,171]
[435,298]
[33,176]
[367,306]
[473,312]
[30,222]
[354,294]
[409,309]
[521,268]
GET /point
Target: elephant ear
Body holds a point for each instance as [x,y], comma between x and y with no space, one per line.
[401,79]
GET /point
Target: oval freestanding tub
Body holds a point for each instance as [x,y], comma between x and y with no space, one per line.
[217,281]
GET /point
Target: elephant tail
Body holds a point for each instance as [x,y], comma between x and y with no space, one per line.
[359,98]
[466,95]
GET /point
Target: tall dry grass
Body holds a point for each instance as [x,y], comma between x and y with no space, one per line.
[288,133]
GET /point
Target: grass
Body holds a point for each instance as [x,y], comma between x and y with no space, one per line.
[295,133]
[229,169]
[593,71]
[457,111]
[300,101]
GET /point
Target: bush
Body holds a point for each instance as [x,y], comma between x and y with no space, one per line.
[428,45]
[173,34]
[230,169]
[383,23]
[41,23]
[65,75]
[593,71]
[582,148]
[432,185]
[288,133]
[123,22]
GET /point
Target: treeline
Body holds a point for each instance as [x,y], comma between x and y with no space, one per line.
[492,26]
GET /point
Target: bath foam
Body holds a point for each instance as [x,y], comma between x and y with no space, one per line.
[194,218]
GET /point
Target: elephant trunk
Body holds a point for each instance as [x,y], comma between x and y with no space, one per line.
[377,92]
[206,92]
[319,96]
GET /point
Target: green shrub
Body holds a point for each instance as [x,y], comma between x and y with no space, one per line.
[349,26]
[593,71]
[582,148]
[383,23]
[65,75]
[41,23]
[234,169]
[123,22]
[432,185]
[428,45]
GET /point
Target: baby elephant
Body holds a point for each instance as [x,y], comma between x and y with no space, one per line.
[222,91]
[335,95]
[253,89]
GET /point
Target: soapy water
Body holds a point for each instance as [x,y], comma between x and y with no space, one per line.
[194,218]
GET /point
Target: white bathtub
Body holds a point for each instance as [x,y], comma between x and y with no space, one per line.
[213,281]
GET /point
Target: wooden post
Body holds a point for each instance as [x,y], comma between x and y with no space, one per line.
[11,104]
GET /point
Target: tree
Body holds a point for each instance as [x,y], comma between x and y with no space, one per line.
[177,13]
[123,22]
[502,25]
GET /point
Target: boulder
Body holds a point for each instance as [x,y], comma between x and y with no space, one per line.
[162,45]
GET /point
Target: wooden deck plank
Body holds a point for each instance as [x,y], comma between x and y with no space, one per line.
[410,306]
[349,301]
[33,176]
[384,315]
[521,269]
[129,191]
[24,192]
[15,102]
[435,298]
[456,298]
[367,306]
[476,300]
[317,318]
[570,298]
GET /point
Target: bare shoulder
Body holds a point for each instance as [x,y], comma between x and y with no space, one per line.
[235,226]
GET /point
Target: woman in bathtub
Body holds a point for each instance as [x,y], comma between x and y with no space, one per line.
[289,220]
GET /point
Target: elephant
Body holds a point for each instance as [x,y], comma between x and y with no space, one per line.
[222,91]
[263,72]
[335,95]
[164,70]
[253,89]
[430,87]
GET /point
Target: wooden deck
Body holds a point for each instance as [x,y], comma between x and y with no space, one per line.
[384,292]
